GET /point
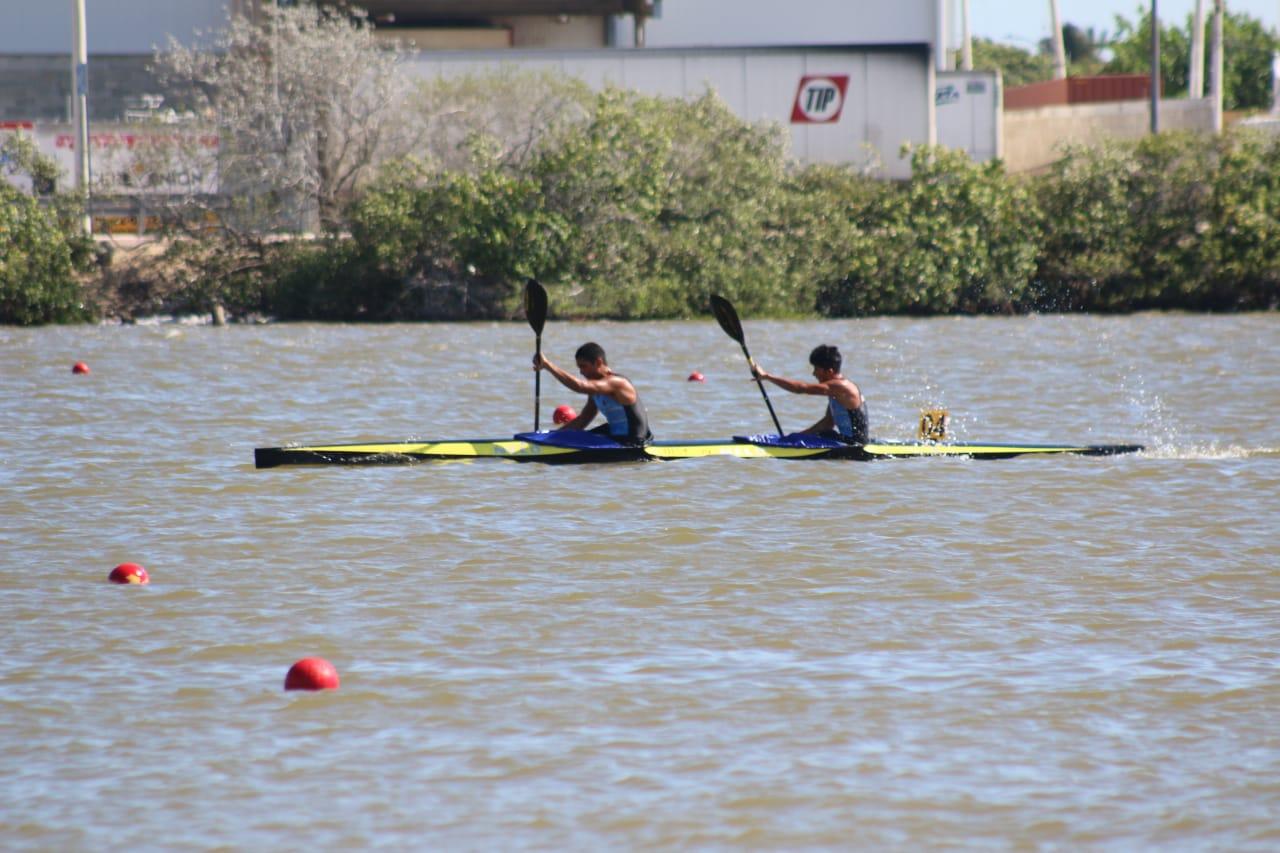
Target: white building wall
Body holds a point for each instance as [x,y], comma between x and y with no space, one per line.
[970,111]
[888,101]
[134,26]
[741,23]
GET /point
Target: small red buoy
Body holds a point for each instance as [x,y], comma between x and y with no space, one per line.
[79,367]
[697,377]
[129,573]
[311,674]
[563,414]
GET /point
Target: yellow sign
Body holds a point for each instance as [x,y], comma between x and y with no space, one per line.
[933,424]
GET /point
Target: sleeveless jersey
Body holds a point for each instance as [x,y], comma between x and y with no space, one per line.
[852,424]
[627,424]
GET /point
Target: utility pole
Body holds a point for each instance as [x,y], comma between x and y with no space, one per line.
[1059,50]
[966,38]
[942,59]
[1217,90]
[1155,67]
[79,108]
[1195,74]
[1275,83]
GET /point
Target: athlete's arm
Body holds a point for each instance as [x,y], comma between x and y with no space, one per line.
[795,386]
[568,380]
[824,423]
[611,386]
[584,418]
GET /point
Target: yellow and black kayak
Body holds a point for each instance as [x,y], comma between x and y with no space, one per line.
[577,448]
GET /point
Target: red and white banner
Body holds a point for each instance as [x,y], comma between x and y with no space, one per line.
[128,159]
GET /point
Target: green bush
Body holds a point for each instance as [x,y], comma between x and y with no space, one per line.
[955,237]
[1172,221]
[641,209]
[41,254]
[636,207]
[669,191]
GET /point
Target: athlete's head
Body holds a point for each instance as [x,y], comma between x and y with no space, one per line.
[590,352]
[826,356]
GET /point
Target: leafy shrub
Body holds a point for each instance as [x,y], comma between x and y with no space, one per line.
[955,237]
[41,254]
[1171,221]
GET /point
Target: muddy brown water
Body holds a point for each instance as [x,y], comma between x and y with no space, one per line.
[1057,652]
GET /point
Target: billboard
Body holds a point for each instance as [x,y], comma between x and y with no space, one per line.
[129,160]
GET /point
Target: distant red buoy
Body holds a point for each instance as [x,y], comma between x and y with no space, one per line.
[79,367]
[129,573]
[311,674]
[563,414]
[697,377]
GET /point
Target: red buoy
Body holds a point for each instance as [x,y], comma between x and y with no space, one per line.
[697,377]
[79,367]
[311,674]
[129,573]
[563,414]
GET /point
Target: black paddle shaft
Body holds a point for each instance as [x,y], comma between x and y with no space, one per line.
[727,317]
[535,310]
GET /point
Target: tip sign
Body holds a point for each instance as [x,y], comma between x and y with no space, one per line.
[819,99]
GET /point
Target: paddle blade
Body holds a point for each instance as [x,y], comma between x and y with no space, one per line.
[535,305]
[726,317]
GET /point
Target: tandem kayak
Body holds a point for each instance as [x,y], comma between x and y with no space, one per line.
[566,447]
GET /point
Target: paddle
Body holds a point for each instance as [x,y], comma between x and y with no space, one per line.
[728,320]
[535,310]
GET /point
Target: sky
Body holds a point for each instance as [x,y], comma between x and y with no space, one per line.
[1025,22]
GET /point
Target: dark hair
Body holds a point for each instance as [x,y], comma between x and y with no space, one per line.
[825,355]
[589,352]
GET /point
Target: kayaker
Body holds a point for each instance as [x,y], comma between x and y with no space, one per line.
[608,393]
[846,415]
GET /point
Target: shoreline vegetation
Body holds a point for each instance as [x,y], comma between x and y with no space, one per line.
[436,199]
[641,208]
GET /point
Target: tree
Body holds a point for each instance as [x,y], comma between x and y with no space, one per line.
[1017,67]
[1084,49]
[1020,67]
[503,117]
[1246,54]
[1081,45]
[303,101]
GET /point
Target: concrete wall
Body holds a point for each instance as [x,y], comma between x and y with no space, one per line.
[1033,138]
[527,31]
[546,31]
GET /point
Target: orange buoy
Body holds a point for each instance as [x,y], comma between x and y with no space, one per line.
[79,367]
[697,377]
[563,414]
[129,573]
[311,674]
